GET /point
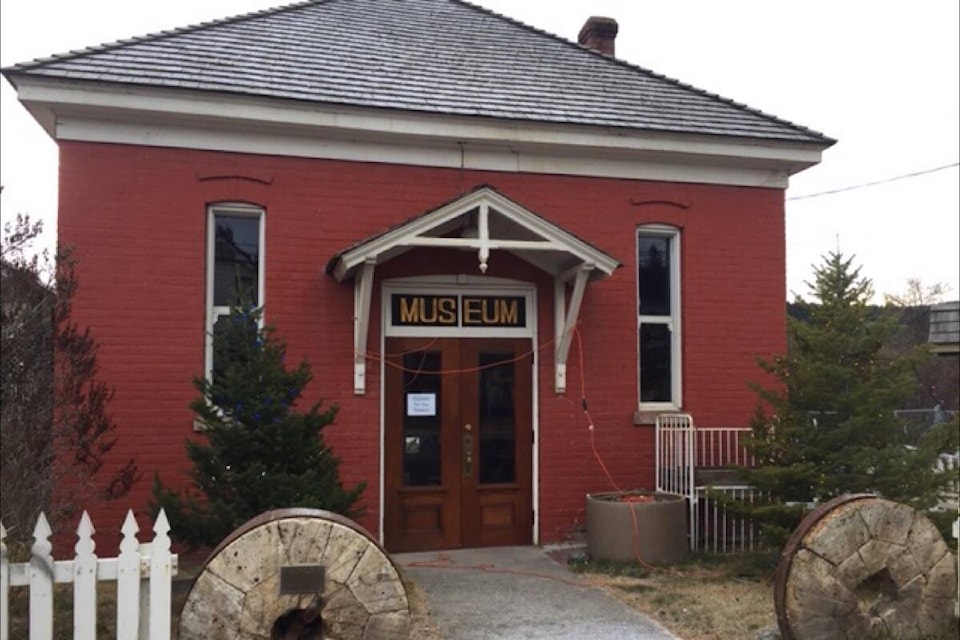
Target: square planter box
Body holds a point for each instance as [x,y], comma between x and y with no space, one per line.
[659,535]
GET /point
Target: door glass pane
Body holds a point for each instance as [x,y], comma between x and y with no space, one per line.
[421,419]
[655,358]
[497,414]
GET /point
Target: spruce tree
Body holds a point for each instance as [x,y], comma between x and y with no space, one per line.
[258,452]
[828,428]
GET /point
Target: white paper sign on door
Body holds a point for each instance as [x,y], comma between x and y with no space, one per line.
[421,404]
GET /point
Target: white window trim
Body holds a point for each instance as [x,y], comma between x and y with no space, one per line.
[214,312]
[673,321]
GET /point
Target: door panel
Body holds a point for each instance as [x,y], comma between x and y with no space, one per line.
[421,505]
[458,443]
[496,505]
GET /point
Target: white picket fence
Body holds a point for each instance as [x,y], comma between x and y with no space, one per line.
[143,573]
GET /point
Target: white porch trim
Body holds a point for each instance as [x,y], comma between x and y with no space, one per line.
[566,320]
[551,248]
[363,292]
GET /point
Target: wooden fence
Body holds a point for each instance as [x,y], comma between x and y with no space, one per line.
[143,573]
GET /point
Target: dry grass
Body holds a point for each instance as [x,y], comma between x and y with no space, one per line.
[63,611]
[726,598]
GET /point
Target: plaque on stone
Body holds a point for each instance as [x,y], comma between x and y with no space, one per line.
[301,579]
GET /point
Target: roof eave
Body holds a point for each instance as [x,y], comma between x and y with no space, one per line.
[61,107]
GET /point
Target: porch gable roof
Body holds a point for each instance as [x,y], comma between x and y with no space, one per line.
[486,220]
[483,219]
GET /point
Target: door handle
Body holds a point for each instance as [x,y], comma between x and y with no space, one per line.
[467,466]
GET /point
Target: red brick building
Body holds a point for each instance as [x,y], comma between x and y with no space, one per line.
[414,188]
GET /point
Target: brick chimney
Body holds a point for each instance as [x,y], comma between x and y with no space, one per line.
[599,34]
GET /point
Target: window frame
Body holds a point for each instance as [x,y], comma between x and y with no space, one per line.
[671,321]
[215,312]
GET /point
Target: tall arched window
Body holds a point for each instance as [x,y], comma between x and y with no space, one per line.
[658,317]
[235,252]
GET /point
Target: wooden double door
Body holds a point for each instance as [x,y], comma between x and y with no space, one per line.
[458,443]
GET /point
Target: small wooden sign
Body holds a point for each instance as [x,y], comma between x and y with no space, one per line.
[301,579]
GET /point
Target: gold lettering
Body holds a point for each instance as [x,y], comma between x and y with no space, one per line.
[411,309]
[431,317]
[448,310]
[507,311]
[489,304]
[472,312]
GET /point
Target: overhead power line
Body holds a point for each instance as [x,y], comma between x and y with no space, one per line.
[903,176]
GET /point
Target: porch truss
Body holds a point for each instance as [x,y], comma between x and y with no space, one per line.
[483,220]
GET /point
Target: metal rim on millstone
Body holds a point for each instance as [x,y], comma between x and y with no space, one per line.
[294,571]
[864,566]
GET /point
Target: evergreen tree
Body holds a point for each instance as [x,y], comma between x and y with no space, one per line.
[259,452]
[828,428]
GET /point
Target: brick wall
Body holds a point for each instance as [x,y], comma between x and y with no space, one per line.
[137,216]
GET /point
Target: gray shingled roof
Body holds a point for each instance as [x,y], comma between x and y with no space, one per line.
[435,56]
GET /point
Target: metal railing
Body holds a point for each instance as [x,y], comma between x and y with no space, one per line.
[716,529]
[681,451]
[720,447]
[687,455]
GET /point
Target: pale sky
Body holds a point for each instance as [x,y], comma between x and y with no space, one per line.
[881,76]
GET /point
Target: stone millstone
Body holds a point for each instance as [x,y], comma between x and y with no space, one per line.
[864,567]
[238,593]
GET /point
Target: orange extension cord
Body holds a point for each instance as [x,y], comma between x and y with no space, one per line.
[596,454]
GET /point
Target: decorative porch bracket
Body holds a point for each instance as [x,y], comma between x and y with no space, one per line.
[363,290]
[565,318]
